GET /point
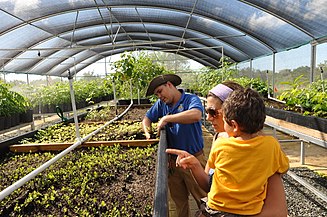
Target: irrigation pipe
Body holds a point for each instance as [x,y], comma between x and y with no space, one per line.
[44,166]
[308,186]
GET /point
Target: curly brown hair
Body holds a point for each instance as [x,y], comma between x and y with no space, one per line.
[246,107]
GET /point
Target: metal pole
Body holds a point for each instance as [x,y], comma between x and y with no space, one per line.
[313,59]
[130,82]
[105,66]
[268,84]
[322,79]
[115,99]
[302,153]
[273,75]
[72,96]
[251,69]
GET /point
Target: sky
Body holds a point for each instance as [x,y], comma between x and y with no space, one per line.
[284,60]
[290,59]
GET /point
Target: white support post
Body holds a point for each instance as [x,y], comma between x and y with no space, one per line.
[72,95]
[251,69]
[115,99]
[268,83]
[47,78]
[313,60]
[273,75]
[130,82]
[322,79]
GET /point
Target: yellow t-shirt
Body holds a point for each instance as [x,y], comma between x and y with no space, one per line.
[242,169]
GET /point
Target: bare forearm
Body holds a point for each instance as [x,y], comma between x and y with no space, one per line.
[146,126]
[201,177]
[188,161]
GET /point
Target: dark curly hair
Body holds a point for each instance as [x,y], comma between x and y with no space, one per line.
[246,107]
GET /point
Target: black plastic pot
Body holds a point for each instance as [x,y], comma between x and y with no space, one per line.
[2,122]
[14,120]
[108,97]
[26,117]
[296,118]
[135,101]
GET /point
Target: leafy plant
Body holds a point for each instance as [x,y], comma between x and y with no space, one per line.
[312,99]
[209,77]
[86,182]
[254,83]
[139,70]
[11,102]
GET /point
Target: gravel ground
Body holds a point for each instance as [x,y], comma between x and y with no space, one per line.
[300,200]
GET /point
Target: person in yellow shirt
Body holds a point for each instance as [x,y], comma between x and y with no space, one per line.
[243,162]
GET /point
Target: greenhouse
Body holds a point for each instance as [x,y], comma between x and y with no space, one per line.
[73,83]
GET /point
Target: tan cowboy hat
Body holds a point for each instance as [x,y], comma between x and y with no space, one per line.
[162,79]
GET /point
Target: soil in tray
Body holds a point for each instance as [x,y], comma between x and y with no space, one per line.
[119,130]
[106,181]
[109,113]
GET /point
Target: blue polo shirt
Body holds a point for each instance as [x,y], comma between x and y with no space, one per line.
[187,137]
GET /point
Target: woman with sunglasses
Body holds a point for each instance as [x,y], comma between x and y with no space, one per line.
[275,202]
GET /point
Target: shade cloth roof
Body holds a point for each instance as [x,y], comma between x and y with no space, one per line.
[50,37]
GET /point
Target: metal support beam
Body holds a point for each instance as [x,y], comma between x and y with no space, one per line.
[251,68]
[302,136]
[72,95]
[273,74]
[313,60]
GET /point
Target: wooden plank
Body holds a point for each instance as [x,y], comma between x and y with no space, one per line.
[304,130]
[62,146]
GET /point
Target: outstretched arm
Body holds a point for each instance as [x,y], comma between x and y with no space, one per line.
[188,161]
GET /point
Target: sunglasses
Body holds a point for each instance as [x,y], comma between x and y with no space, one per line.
[212,112]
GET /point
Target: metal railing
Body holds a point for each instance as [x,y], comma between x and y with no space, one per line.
[160,208]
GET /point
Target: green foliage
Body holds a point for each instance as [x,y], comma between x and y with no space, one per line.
[209,77]
[11,102]
[59,93]
[140,70]
[86,182]
[59,133]
[312,100]
[254,83]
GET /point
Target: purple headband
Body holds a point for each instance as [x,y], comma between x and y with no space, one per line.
[221,91]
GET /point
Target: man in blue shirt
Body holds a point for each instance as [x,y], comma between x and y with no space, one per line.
[180,114]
